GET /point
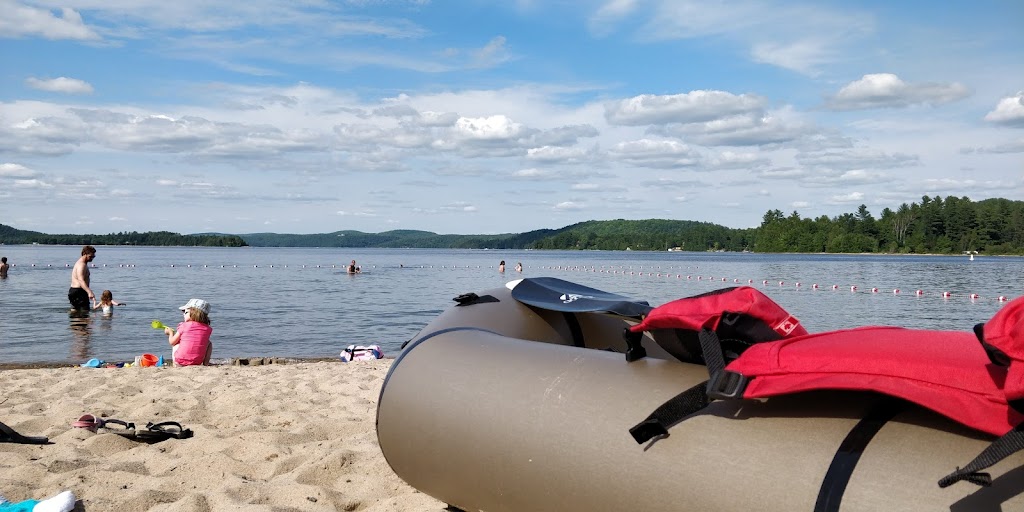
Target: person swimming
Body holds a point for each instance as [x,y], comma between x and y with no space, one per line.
[353,268]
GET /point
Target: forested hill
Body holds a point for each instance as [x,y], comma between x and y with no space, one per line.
[646,235]
[934,226]
[9,235]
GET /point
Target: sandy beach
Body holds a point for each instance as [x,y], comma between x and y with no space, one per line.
[276,437]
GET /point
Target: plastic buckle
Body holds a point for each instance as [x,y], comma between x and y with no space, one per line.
[466,298]
[634,345]
[726,385]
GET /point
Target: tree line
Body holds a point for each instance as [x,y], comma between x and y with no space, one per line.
[9,235]
[953,225]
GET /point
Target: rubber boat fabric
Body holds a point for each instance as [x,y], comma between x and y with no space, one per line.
[500,405]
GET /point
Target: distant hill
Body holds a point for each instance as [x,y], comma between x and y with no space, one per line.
[396,239]
[651,234]
[951,225]
[9,235]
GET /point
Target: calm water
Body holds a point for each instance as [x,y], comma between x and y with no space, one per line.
[298,302]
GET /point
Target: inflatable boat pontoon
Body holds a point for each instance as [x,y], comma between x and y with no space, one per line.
[502,404]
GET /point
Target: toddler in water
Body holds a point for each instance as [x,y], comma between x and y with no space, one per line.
[191,343]
[107,303]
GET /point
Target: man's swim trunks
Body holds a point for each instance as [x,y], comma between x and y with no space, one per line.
[78,298]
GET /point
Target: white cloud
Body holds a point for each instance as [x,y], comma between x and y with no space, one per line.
[491,55]
[27,21]
[852,197]
[552,154]
[956,186]
[661,154]
[585,186]
[459,206]
[799,36]
[491,128]
[886,90]
[60,84]
[754,129]
[852,159]
[1009,111]
[9,170]
[609,14]
[803,56]
[31,183]
[535,174]
[569,206]
[692,107]
[733,160]
[800,204]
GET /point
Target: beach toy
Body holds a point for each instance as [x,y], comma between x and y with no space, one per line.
[149,360]
[157,324]
[92,363]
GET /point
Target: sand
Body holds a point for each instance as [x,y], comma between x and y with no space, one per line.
[276,438]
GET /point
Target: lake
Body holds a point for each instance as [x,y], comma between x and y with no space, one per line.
[299,302]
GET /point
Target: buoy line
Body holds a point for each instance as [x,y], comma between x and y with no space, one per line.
[648,271]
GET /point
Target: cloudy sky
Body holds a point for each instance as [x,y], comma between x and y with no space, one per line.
[474,116]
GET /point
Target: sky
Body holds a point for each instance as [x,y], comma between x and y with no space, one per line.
[484,117]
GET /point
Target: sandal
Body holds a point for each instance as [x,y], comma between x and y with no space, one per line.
[156,432]
[90,422]
[9,435]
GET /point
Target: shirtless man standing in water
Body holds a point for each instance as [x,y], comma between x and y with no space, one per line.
[80,295]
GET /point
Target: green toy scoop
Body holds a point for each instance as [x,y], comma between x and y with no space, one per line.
[157,324]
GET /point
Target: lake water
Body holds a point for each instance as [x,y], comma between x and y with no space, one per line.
[298,302]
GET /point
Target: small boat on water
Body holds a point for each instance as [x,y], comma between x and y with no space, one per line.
[522,399]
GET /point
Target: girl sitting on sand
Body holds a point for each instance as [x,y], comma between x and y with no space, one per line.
[107,303]
[191,343]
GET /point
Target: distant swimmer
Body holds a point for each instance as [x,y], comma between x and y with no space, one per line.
[3,267]
[80,295]
[353,268]
[501,267]
[519,267]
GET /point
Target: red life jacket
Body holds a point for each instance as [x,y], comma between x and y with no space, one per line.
[945,371]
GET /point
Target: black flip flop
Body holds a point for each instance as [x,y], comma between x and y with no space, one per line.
[126,429]
[156,432]
[8,435]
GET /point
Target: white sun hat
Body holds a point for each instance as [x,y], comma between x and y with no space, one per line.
[199,304]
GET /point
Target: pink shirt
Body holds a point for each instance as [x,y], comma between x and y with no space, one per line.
[195,337]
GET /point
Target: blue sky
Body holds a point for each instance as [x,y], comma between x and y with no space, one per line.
[498,117]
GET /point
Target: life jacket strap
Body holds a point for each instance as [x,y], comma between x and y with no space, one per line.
[1010,443]
[671,412]
[722,385]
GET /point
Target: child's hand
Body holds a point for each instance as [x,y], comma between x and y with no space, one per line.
[168,331]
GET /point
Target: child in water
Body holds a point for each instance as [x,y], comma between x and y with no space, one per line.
[107,303]
[190,344]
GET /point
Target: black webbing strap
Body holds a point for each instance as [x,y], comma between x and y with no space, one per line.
[833,486]
[1010,443]
[720,385]
[711,346]
[671,412]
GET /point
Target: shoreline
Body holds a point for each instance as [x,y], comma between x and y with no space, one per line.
[234,361]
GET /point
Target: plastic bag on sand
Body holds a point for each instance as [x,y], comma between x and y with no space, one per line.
[361,353]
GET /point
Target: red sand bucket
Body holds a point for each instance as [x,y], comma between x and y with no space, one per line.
[149,360]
